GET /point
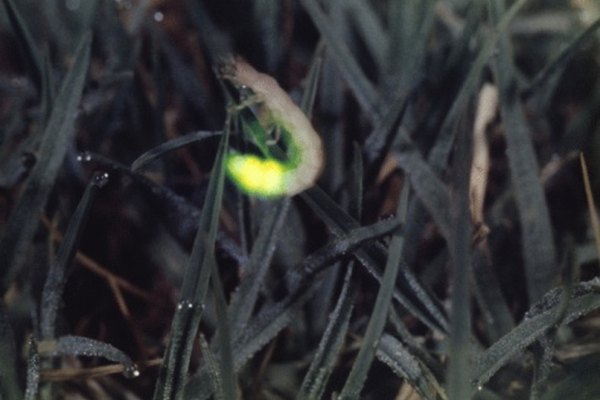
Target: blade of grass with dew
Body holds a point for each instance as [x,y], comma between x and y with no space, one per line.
[539,253]
[366,354]
[404,364]
[410,293]
[226,372]
[195,284]
[59,269]
[58,133]
[559,63]
[33,371]
[459,348]
[362,89]
[323,362]
[275,317]
[26,43]
[171,145]
[82,346]
[9,380]
[538,320]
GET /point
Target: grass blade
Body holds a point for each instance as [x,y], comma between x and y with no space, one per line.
[195,284]
[58,272]
[362,363]
[539,253]
[27,43]
[537,322]
[82,346]
[9,381]
[324,360]
[24,218]
[363,90]
[170,145]
[404,364]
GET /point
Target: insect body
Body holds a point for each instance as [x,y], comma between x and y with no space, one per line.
[268,176]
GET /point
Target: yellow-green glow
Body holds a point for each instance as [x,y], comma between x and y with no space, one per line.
[257,176]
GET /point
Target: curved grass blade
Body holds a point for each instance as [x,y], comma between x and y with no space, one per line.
[539,253]
[404,364]
[362,364]
[540,318]
[9,381]
[82,346]
[170,145]
[24,218]
[58,272]
[324,360]
[195,285]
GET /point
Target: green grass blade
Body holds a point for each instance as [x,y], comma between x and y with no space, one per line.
[24,218]
[195,285]
[362,364]
[58,272]
[539,253]
[324,360]
[362,89]
[170,145]
[9,381]
[370,28]
[404,364]
[538,321]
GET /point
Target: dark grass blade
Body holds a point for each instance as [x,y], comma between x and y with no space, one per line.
[58,134]
[539,253]
[361,87]
[407,366]
[227,378]
[538,321]
[362,363]
[371,29]
[9,380]
[195,285]
[323,362]
[275,317]
[82,346]
[27,44]
[581,381]
[558,64]
[59,269]
[244,300]
[171,145]
[459,354]
[410,293]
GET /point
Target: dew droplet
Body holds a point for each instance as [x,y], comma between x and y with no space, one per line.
[159,16]
[101,179]
[84,156]
[131,371]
